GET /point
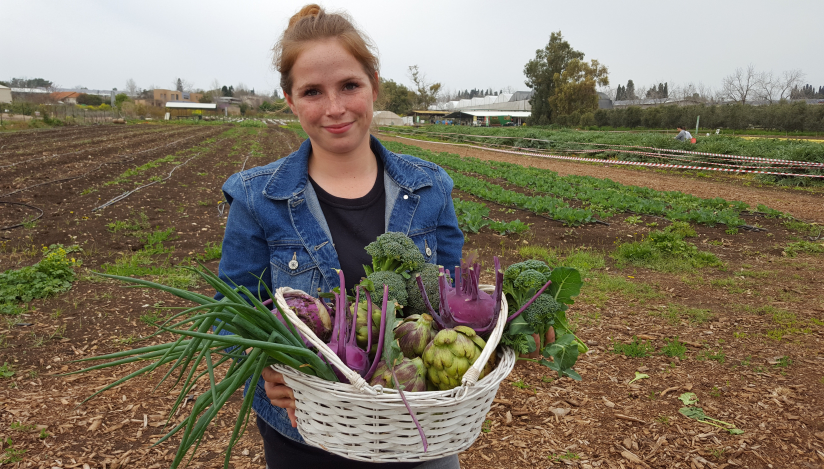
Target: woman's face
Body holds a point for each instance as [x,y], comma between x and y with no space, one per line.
[332,96]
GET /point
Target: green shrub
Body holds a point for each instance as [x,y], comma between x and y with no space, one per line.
[52,275]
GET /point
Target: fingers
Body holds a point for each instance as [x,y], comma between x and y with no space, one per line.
[292,418]
[279,394]
[272,376]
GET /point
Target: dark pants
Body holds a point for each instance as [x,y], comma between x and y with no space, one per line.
[285,453]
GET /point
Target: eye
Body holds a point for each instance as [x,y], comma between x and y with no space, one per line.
[311,92]
[351,86]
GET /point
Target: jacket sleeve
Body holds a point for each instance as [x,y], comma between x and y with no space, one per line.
[245,251]
[450,238]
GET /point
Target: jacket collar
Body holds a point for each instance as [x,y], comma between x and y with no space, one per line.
[291,176]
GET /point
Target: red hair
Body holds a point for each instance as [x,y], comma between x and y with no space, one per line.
[312,23]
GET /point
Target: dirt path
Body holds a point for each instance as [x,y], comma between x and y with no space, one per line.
[805,206]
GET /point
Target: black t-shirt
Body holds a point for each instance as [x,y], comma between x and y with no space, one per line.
[354,223]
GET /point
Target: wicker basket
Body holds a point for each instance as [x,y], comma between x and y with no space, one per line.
[366,423]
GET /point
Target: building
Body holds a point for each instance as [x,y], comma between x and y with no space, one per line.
[603,101]
[184,110]
[65,97]
[252,100]
[488,118]
[160,97]
[384,118]
[518,101]
[5,94]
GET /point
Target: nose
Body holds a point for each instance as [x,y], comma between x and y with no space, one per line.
[335,106]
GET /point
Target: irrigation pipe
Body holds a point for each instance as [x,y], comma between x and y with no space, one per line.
[686,152]
[621,162]
[128,193]
[5,228]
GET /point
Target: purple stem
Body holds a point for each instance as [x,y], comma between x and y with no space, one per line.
[323,302]
[381,336]
[426,302]
[267,302]
[369,322]
[447,319]
[458,278]
[409,409]
[354,318]
[526,305]
[499,283]
[341,317]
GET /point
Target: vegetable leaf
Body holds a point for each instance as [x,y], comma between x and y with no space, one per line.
[566,283]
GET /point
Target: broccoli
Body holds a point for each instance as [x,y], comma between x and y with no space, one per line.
[429,275]
[541,315]
[397,286]
[513,271]
[523,280]
[530,279]
[394,252]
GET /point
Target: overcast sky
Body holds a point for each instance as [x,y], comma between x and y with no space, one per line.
[482,44]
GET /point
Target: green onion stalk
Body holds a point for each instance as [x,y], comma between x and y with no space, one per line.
[253,327]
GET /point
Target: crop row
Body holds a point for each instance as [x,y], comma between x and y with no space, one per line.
[472,216]
[600,196]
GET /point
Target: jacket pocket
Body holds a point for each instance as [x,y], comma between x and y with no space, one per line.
[292,266]
[427,243]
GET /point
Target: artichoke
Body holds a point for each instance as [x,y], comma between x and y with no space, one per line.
[450,354]
[411,375]
[414,334]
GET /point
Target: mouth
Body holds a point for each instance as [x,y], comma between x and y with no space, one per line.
[338,128]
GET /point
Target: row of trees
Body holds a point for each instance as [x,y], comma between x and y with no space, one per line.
[564,84]
[627,93]
[789,117]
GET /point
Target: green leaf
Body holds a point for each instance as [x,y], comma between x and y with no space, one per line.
[391,347]
[638,376]
[566,283]
[736,431]
[696,413]
[688,398]
[519,326]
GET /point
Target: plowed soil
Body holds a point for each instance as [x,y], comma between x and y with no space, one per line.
[754,329]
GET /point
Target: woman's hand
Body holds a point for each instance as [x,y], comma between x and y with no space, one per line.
[279,394]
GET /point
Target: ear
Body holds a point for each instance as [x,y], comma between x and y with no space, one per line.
[291,103]
[376,90]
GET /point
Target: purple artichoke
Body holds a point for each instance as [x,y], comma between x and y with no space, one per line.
[411,375]
[414,334]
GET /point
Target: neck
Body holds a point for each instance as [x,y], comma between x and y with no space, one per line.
[348,175]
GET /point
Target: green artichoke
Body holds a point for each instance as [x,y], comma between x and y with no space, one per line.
[450,354]
[414,334]
[411,375]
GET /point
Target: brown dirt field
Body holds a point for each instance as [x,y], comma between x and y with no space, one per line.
[805,206]
[736,321]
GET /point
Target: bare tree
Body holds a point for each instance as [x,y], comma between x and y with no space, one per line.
[741,85]
[426,92]
[773,88]
[131,87]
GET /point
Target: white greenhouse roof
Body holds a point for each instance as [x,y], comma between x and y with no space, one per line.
[185,105]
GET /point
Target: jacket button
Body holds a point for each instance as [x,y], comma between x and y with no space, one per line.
[405,197]
[293,264]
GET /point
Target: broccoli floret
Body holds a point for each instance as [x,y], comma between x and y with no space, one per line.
[521,343]
[513,271]
[530,279]
[429,275]
[397,286]
[542,312]
[394,252]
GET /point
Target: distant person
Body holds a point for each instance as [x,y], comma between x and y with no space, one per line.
[684,135]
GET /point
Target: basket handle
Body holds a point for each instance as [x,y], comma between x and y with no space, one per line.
[469,378]
[354,378]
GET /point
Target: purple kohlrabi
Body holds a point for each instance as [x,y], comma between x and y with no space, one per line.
[466,304]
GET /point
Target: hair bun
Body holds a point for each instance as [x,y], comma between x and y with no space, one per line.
[311,10]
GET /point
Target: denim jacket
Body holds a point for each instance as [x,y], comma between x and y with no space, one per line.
[276,230]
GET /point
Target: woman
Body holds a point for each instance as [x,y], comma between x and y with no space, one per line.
[303,216]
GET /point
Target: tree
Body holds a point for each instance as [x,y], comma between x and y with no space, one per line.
[773,88]
[89,99]
[119,99]
[575,88]
[630,90]
[179,85]
[740,85]
[426,92]
[131,87]
[541,70]
[30,83]
[394,97]
[620,93]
